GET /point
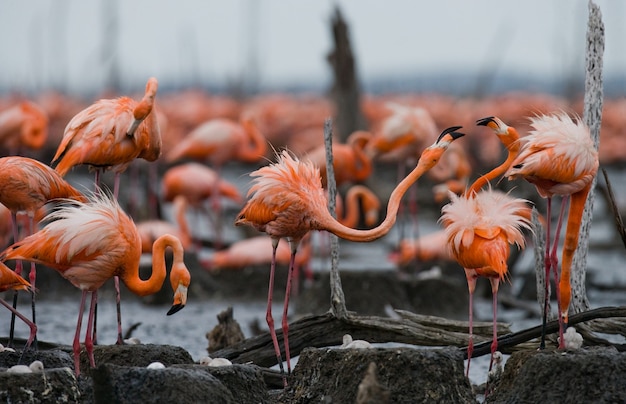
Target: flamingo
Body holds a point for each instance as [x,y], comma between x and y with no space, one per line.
[110,134]
[480,226]
[479,231]
[11,280]
[400,138]
[24,124]
[25,186]
[89,243]
[286,200]
[350,162]
[197,183]
[150,230]
[559,158]
[217,142]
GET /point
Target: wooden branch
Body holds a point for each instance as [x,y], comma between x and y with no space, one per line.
[506,343]
[610,197]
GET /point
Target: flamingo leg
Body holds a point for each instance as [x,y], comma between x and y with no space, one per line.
[554,259]
[76,344]
[95,316]
[33,327]
[88,333]
[268,314]
[285,322]
[495,282]
[471,286]
[570,244]
[32,277]
[18,270]
[547,263]
[116,279]
[153,183]
[216,205]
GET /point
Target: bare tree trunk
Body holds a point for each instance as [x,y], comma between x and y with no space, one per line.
[345,91]
[592,116]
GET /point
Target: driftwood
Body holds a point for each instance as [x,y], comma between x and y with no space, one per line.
[409,328]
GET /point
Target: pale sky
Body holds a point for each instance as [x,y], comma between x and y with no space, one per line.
[61,41]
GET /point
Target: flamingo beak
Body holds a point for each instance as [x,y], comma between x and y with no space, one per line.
[451,131]
[133,127]
[486,121]
[180,299]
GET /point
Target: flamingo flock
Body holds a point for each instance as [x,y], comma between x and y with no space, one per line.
[188,139]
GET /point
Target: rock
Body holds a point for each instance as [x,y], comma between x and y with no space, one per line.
[245,382]
[47,386]
[51,359]
[134,355]
[583,376]
[410,375]
[127,384]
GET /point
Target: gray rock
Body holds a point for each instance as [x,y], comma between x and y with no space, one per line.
[49,386]
[125,384]
[590,375]
[409,375]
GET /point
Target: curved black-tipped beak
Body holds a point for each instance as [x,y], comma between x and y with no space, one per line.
[486,121]
[175,309]
[451,131]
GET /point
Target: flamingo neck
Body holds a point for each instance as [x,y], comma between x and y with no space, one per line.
[513,148]
[327,222]
[154,283]
[180,209]
[255,147]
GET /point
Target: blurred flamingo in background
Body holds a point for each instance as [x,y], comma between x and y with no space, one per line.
[150,230]
[89,243]
[217,142]
[287,200]
[400,138]
[109,135]
[199,183]
[559,158]
[11,280]
[23,125]
[350,162]
[26,185]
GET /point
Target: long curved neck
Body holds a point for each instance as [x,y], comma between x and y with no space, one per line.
[180,208]
[256,146]
[328,223]
[351,208]
[154,283]
[363,167]
[513,148]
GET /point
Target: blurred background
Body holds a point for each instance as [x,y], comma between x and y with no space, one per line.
[85,47]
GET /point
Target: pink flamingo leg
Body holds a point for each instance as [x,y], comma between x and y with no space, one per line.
[554,263]
[33,327]
[216,205]
[116,279]
[285,322]
[88,333]
[32,277]
[268,314]
[495,282]
[76,344]
[18,270]
[471,286]
[547,263]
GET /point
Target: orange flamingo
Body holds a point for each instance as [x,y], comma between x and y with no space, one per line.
[11,280]
[370,206]
[481,224]
[219,141]
[198,183]
[286,200]
[480,229]
[89,243]
[110,134]
[350,162]
[559,158]
[25,186]
[25,124]
[150,230]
